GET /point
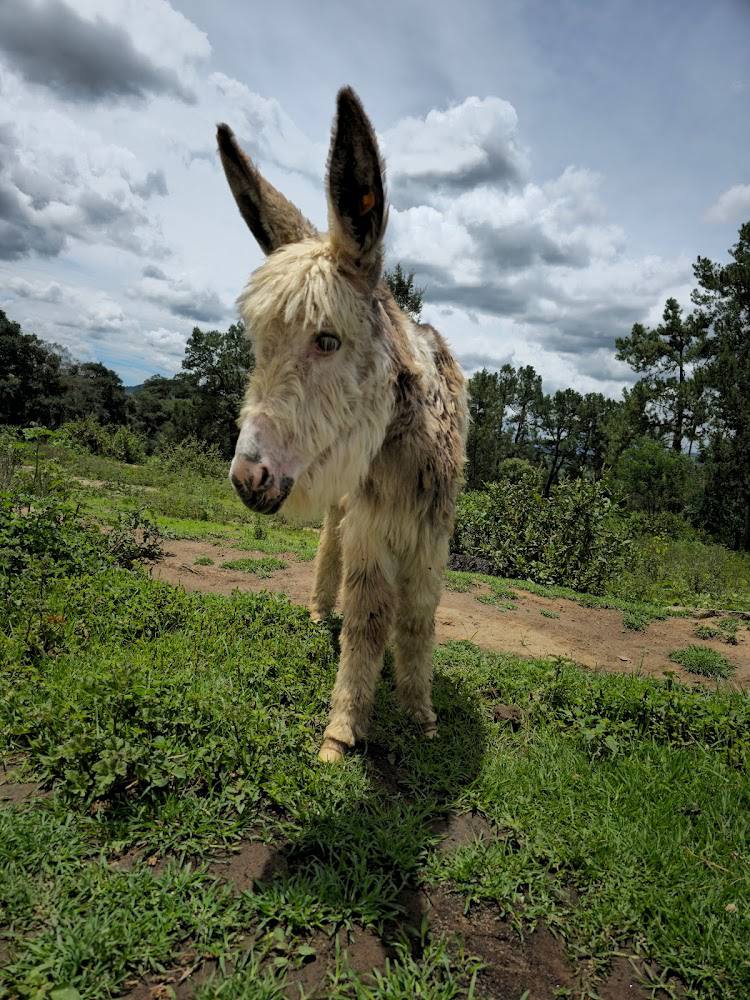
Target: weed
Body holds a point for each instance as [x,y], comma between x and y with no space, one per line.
[634,621]
[264,567]
[203,561]
[706,632]
[548,614]
[702,660]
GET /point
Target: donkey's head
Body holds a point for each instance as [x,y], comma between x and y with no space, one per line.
[317,403]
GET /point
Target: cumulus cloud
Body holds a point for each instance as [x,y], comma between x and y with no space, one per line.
[732,205]
[80,59]
[542,261]
[516,268]
[266,131]
[153,183]
[446,152]
[152,271]
[39,291]
[48,197]
[179,296]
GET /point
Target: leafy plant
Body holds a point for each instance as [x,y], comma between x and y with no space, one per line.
[135,539]
[572,538]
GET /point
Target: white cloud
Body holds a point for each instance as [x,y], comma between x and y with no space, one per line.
[122,233]
[180,297]
[732,205]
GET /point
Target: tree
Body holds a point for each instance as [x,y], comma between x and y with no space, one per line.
[217,365]
[594,420]
[723,301]
[664,354]
[559,425]
[490,395]
[163,410]
[405,292]
[527,402]
[30,385]
[655,479]
[90,388]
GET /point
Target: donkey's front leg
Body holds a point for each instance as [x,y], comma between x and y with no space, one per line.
[419,587]
[328,566]
[367,611]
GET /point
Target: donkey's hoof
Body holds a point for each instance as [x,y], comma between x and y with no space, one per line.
[332,751]
[430,730]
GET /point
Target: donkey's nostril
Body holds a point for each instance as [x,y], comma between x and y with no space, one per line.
[264,474]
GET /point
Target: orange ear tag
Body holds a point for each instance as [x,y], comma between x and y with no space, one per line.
[367,203]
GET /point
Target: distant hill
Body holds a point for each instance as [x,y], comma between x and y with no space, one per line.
[129,389]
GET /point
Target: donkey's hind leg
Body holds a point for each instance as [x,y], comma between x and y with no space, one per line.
[328,565]
[367,598]
[419,587]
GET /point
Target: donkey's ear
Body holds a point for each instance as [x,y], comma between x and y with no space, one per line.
[356,182]
[272,219]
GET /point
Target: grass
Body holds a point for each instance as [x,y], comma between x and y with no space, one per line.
[183,722]
[179,725]
[725,629]
[636,614]
[548,614]
[262,568]
[203,561]
[702,660]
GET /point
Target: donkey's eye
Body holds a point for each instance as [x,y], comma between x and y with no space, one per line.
[327,343]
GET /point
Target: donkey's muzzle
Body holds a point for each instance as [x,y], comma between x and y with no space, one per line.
[257,487]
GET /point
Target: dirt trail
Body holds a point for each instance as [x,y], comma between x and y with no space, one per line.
[592,637]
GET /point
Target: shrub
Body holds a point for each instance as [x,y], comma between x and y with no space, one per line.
[10,457]
[193,455]
[684,571]
[573,538]
[122,443]
[135,539]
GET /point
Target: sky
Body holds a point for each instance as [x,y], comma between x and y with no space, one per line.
[554,169]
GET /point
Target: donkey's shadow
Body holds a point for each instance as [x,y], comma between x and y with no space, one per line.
[357,862]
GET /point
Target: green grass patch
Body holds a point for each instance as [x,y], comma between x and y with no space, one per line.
[500,596]
[706,632]
[548,614]
[702,660]
[264,567]
[204,561]
[460,582]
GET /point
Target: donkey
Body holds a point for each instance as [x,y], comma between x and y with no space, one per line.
[355,411]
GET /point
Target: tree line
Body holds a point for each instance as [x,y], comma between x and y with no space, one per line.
[678,440]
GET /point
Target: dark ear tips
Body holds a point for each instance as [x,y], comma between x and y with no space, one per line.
[225,138]
[356,175]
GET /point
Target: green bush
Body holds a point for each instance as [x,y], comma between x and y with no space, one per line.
[193,455]
[685,571]
[573,538]
[10,457]
[121,442]
[655,479]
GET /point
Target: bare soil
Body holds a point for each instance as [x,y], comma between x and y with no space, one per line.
[593,637]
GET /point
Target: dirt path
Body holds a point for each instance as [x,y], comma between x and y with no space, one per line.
[592,637]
